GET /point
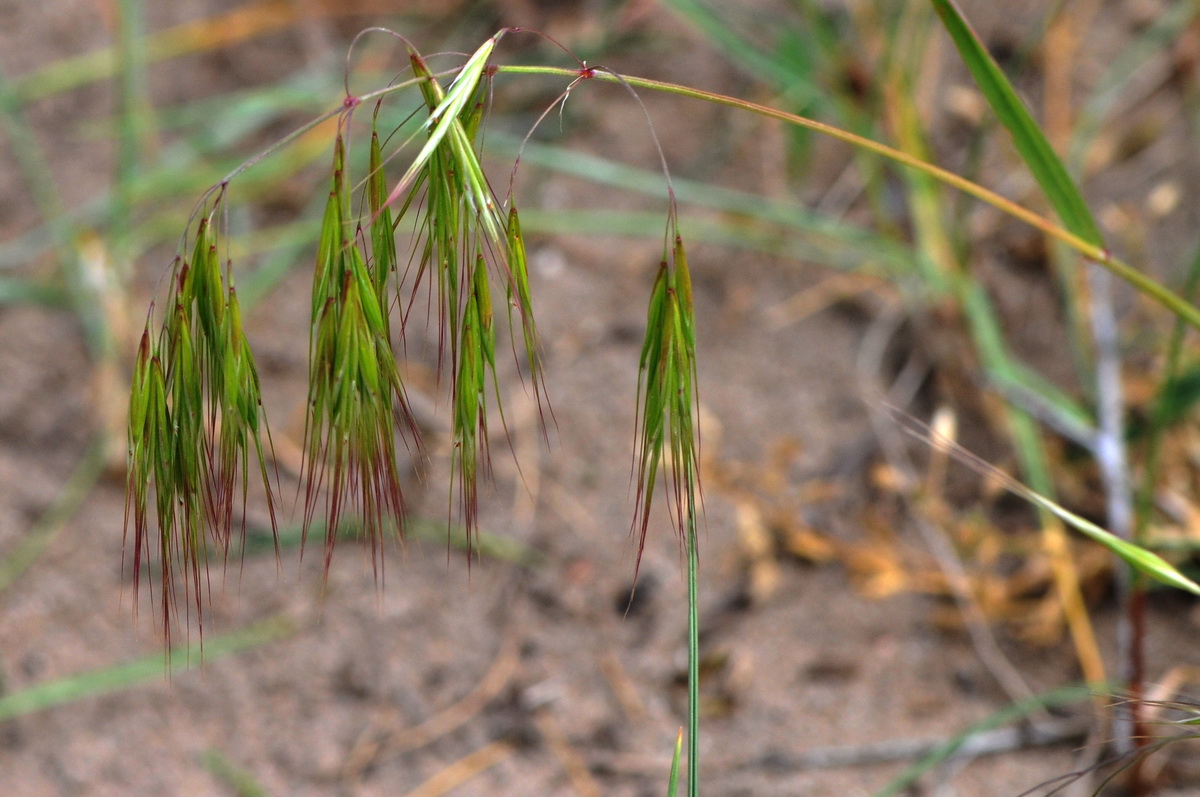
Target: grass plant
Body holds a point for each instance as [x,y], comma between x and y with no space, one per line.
[197,433]
[465,243]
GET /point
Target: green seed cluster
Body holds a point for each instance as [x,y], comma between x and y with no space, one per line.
[467,243]
[195,412]
[353,378]
[195,415]
[667,399]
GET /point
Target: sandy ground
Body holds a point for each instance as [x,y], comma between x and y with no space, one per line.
[499,678]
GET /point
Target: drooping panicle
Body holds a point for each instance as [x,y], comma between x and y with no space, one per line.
[354,382]
[195,416]
[667,398]
[467,245]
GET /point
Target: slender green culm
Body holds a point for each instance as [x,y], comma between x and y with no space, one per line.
[693,577]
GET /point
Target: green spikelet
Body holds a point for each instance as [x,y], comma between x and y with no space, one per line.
[667,398]
[195,413]
[353,380]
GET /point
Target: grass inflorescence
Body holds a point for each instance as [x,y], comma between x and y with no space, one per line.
[467,244]
[667,398]
[195,423]
[195,418]
[196,427]
[353,378]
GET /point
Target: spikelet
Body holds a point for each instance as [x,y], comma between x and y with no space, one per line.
[195,420]
[667,399]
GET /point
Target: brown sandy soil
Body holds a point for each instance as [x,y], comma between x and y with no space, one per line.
[521,679]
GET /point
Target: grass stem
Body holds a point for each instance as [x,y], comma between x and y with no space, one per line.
[693,657]
[1097,254]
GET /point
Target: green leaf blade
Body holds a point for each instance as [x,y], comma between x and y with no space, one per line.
[1031,143]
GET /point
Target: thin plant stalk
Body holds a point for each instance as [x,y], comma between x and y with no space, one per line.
[1098,254]
[1111,456]
[693,561]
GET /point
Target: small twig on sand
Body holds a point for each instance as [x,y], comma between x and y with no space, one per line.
[996,741]
[463,770]
[393,740]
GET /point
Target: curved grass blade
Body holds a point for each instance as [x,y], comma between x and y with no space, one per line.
[124,676]
[240,780]
[1035,150]
[1142,560]
[484,544]
[673,781]
[1097,253]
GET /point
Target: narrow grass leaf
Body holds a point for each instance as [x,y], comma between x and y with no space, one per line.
[757,61]
[112,679]
[24,291]
[243,783]
[1142,560]
[673,781]
[1139,558]
[1035,150]
[481,543]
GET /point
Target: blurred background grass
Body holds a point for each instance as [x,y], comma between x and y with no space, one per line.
[159,103]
